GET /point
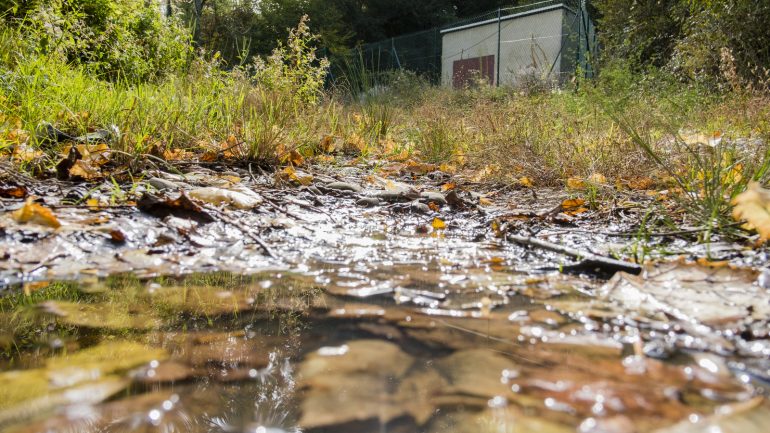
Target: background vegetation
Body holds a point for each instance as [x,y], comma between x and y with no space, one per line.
[211,79]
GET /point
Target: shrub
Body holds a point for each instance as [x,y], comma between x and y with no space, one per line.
[124,40]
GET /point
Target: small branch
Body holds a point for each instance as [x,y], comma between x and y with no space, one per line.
[588,261]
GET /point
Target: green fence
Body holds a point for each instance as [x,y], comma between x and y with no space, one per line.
[421,52]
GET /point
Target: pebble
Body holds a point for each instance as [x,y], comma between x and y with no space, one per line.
[162,184]
[395,196]
[418,207]
[435,197]
[344,186]
[368,202]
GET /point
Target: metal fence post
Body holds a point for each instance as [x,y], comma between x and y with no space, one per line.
[499,29]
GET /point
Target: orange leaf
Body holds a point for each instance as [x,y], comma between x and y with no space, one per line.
[576,183]
[32,212]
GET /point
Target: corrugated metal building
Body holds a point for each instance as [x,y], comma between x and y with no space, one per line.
[542,41]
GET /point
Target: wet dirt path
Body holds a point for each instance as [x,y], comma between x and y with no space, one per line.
[363,302]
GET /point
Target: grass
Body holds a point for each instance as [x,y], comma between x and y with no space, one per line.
[625,127]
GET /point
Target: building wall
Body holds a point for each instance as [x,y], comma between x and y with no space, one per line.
[530,44]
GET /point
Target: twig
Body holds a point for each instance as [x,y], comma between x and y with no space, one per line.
[243,229]
[589,261]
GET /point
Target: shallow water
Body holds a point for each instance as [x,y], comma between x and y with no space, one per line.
[288,352]
[367,320]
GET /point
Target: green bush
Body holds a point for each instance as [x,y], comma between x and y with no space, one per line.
[125,40]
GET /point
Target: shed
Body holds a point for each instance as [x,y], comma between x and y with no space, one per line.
[540,41]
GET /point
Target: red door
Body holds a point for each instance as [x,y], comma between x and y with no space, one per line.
[464,71]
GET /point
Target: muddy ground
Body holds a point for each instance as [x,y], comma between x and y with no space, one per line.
[363,298]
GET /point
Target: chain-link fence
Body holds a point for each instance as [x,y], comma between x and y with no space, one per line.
[547,41]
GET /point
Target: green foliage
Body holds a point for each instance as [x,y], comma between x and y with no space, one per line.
[124,40]
[715,42]
[294,70]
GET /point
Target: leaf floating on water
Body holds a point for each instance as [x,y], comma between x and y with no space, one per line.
[34,213]
[753,206]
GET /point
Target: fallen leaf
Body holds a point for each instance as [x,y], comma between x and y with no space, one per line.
[753,206]
[241,198]
[576,183]
[181,207]
[526,182]
[597,178]
[296,158]
[483,201]
[13,191]
[434,207]
[448,186]
[83,169]
[641,183]
[25,153]
[299,177]
[574,206]
[32,212]
[438,224]
[327,144]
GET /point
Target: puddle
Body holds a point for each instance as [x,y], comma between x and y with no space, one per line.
[314,314]
[286,352]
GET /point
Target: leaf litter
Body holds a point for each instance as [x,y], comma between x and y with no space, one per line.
[413,313]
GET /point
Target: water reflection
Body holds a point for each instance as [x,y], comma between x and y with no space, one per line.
[425,351]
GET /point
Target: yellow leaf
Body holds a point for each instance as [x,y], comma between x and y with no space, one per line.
[575,183]
[300,178]
[483,201]
[32,212]
[448,186]
[526,182]
[438,224]
[753,206]
[93,204]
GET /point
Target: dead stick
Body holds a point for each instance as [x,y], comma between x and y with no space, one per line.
[588,259]
[245,230]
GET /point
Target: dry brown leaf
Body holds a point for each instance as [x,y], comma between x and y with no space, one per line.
[597,178]
[32,212]
[327,144]
[296,158]
[84,170]
[753,206]
[641,183]
[574,206]
[576,183]
[25,153]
